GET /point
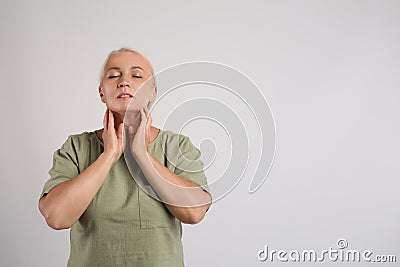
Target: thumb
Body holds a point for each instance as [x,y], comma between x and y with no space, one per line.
[131,132]
[120,130]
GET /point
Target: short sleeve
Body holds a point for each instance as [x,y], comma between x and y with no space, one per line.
[64,167]
[189,165]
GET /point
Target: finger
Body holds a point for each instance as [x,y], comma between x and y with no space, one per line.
[146,111]
[131,131]
[148,123]
[105,119]
[120,130]
[149,119]
[110,120]
[143,117]
[148,115]
[125,134]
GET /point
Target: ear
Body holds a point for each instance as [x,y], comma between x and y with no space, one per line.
[154,94]
[101,94]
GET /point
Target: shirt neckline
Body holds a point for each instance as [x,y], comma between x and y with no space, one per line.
[151,143]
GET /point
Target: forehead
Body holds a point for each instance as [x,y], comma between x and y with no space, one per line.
[127,60]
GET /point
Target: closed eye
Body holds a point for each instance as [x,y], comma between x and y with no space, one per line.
[113,76]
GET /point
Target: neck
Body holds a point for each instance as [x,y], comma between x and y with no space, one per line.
[118,119]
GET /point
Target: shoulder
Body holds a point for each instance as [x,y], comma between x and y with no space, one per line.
[170,137]
[177,142]
[81,136]
[80,141]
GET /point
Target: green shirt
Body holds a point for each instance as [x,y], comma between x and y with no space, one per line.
[123,225]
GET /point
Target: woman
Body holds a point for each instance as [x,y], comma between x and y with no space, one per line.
[113,221]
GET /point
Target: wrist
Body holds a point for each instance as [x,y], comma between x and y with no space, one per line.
[141,157]
[138,152]
[109,157]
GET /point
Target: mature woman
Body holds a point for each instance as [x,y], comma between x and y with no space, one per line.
[113,221]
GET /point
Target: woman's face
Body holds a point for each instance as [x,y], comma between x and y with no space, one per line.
[124,73]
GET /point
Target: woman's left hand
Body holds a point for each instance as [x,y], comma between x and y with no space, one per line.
[140,137]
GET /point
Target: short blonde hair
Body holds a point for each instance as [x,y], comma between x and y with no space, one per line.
[126,49]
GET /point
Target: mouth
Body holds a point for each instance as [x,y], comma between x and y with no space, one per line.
[124,95]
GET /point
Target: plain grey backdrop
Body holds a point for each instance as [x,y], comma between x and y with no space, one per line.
[330,71]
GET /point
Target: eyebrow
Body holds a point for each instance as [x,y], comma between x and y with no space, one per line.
[133,67]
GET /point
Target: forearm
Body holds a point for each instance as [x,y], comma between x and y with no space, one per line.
[66,202]
[185,199]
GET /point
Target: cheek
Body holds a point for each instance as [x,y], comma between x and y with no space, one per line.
[107,89]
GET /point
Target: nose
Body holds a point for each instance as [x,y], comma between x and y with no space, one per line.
[123,83]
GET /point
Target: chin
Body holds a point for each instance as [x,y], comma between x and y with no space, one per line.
[117,110]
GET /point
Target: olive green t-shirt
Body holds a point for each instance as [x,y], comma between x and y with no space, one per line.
[123,225]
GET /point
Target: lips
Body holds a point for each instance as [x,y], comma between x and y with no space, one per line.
[124,95]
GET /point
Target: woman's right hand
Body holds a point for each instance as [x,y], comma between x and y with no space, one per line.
[112,139]
[56,205]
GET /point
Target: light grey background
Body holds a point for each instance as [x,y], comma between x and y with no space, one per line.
[329,69]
